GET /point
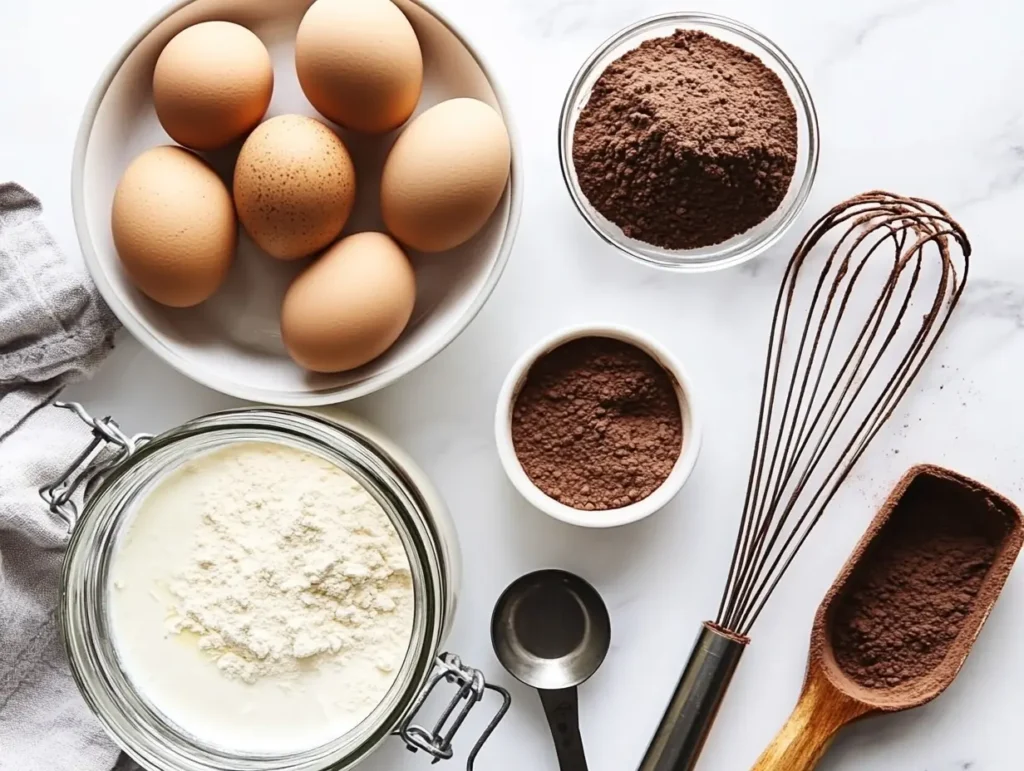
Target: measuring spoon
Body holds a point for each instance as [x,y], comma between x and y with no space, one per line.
[550,629]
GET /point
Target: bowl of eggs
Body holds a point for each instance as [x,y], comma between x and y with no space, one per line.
[296,202]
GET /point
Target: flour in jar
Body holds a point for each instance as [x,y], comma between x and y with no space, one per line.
[262,599]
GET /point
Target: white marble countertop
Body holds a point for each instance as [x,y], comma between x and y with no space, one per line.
[917,96]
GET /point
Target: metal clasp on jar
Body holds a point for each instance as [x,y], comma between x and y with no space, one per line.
[471,685]
[109,447]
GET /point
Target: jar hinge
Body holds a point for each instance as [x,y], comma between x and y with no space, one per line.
[437,742]
[109,447]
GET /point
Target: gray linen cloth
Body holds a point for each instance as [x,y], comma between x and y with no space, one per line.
[54,329]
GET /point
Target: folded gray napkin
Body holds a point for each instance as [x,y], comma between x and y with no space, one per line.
[54,329]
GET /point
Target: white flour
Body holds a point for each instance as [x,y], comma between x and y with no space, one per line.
[262,594]
[293,560]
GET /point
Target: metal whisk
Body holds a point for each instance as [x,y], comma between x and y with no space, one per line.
[865,297]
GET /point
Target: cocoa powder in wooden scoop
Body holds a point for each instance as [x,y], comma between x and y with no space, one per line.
[896,627]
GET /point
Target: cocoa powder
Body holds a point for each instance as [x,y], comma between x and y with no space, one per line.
[910,594]
[597,424]
[686,141]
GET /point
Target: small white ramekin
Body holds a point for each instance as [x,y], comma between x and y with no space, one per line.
[608,517]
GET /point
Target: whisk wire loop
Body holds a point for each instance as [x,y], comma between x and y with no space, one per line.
[842,353]
[800,439]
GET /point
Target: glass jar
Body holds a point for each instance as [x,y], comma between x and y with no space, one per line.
[118,472]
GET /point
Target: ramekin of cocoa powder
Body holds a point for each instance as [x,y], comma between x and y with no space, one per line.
[689,141]
[595,426]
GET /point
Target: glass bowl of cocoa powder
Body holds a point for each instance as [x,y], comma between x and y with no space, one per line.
[596,426]
[689,141]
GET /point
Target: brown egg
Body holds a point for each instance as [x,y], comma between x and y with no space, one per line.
[174,226]
[294,186]
[350,305]
[212,84]
[445,175]
[359,63]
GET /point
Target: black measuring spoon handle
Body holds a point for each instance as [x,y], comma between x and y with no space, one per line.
[562,708]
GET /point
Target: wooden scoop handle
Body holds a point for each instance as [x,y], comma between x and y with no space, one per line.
[819,714]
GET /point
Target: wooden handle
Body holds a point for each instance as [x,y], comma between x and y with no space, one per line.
[806,736]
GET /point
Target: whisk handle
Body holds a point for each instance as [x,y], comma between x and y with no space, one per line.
[678,742]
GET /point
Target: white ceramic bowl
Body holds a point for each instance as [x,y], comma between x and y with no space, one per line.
[609,517]
[232,342]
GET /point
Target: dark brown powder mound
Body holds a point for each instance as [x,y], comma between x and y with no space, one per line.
[686,141]
[597,424]
[910,594]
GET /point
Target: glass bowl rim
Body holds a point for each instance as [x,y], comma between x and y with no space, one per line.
[795,80]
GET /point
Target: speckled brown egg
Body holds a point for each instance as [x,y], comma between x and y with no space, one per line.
[173,226]
[294,186]
[359,63]
[445,175]
[212,84]
[350,306]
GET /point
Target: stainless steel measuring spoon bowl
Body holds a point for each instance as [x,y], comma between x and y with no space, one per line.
[551,630]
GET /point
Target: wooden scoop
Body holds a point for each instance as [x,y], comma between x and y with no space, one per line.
[927,505]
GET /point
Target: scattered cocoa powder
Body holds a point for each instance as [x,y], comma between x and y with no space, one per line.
[597,424]
[911,592]
[686,141]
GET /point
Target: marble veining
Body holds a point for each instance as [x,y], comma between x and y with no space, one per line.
[890,13]
[918,96]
